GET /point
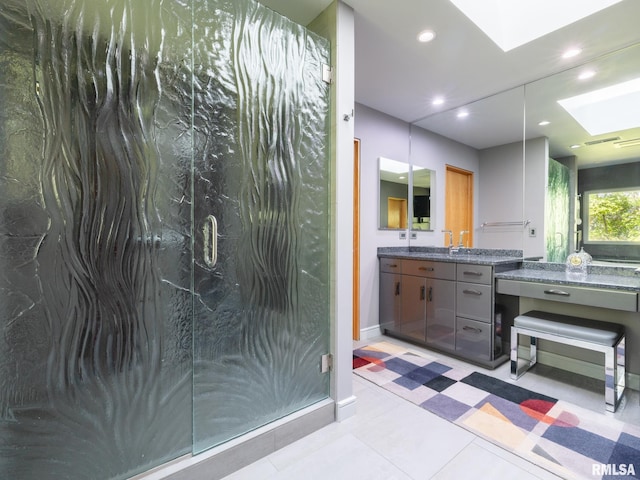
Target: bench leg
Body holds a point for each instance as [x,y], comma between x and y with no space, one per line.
[615,375]
[517,372]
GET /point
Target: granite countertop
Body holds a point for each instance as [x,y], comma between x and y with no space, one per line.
[474,256]
[615,278]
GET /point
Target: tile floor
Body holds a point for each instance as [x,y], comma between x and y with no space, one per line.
[390,438]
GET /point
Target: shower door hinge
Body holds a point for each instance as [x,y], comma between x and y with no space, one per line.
[327,73]
[326,363]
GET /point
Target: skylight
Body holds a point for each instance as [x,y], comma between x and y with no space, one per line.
[608,109]
[512,23]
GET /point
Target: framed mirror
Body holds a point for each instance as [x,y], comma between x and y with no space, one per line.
[393,194]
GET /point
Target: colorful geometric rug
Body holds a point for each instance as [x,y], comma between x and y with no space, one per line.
[569,441]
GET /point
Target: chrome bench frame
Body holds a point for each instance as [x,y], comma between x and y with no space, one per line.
[614,355]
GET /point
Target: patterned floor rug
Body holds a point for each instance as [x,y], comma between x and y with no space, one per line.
[570,441]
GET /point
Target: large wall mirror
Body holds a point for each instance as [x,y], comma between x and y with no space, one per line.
[565,174]
[589,117]
[404,193]
[483,139]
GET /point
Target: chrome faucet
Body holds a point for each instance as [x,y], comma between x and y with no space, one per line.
[452,249]
[462,232]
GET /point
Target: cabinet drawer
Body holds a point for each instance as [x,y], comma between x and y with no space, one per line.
[429,269]
[474,301]
[595,297]
[474,273]
[473,339]
[391,265]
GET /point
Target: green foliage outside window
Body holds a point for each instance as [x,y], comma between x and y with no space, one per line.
[614,216]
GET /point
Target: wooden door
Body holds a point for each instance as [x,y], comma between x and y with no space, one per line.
[397,212]
[459,205]
[356,239]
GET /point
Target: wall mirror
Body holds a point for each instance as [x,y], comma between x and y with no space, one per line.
[423,180]
[485,139]
[589,117]
[393,194]
[403,191]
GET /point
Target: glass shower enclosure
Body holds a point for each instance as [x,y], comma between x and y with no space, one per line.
[164,230]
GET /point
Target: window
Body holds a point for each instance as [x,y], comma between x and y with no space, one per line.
[613,216]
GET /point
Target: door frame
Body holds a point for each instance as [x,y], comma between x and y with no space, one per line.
[356,239]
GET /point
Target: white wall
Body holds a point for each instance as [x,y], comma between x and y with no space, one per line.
[500,186]
[535,191]
[380,136]
[337,24]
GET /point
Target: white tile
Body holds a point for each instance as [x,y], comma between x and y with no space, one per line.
[347,458]
[518,461]
[413,439]
[477,463]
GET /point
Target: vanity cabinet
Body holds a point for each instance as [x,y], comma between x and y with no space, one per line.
[475,326]
[444,305]
[390,288]
[417,300]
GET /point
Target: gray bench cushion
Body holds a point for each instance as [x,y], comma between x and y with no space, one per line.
[602,333]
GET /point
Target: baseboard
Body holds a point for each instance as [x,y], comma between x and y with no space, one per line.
[223,460]
[370,332]
[588,369]
[346,408]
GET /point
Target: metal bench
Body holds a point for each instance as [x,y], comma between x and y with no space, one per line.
[603,337]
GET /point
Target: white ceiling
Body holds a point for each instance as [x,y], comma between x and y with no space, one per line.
[397,75]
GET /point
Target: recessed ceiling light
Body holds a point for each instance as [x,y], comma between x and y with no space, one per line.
[544,123]
[575,145]
[426,36]
[438,101]
[572,52]
[587,74]
[463,114]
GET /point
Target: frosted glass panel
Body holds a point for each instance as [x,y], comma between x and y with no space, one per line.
[95,235]
[262,316]
[164,227]
[557,212]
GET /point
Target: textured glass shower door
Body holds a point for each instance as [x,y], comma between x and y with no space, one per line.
[164,246]
[96,298]
[261,217]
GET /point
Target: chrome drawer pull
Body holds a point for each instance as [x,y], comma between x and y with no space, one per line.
[472,292]
[471,329]
[558,292]
[393,265]
[468,272]
[426,269]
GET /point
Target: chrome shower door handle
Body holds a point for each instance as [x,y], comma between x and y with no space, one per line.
[210,235]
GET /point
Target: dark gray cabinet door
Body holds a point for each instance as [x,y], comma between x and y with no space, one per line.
[441,316]
[390,296]
[413,322]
